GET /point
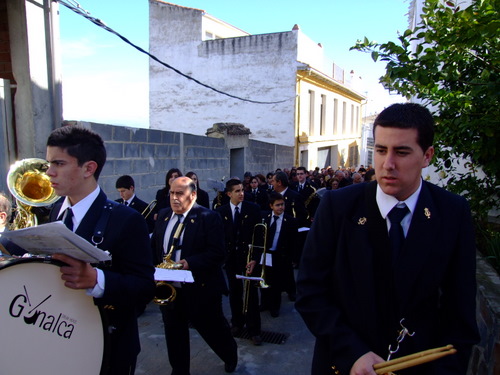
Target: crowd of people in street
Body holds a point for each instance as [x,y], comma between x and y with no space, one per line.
[373,258]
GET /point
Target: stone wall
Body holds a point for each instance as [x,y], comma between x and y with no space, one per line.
[147,155]
[486,355]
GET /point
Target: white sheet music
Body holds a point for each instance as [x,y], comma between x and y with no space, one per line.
[54,238]
[184,276]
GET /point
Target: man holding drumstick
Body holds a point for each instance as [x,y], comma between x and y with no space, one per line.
[76,156]
[396,252]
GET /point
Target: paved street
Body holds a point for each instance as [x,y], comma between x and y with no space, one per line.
[291,358]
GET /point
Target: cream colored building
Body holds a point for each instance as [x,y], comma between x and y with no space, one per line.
[294,96]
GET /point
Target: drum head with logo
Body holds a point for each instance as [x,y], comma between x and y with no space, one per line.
[46,328]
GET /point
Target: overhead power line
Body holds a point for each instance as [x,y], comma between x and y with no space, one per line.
[75,7]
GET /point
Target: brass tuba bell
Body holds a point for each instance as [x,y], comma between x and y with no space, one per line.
[29,184]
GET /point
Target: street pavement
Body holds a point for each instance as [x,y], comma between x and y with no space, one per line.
[293,357]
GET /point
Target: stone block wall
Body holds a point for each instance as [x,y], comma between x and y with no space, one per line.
[147,155]
[485,358]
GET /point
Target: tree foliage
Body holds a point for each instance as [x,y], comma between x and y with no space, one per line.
[450,62]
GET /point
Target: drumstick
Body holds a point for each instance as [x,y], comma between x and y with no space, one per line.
[413,359]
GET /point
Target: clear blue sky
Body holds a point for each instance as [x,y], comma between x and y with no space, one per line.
[105,80]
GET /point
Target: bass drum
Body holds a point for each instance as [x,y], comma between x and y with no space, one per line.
[46,328]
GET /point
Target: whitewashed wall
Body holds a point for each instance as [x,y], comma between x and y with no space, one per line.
[258,67]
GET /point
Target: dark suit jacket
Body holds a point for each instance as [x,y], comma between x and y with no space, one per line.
[311,200]
[237,245]
[260,198]
[202,245]
[347,292]
[202,198]
[286,246]
[139,205]
[129,280]
[294,206]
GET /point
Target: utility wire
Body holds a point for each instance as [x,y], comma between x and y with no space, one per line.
[82,12]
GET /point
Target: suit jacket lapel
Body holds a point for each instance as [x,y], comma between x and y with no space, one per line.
[88,223]
[190,225]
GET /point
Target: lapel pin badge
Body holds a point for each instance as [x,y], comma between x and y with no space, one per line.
[362,221]
[427,213]
[192,221]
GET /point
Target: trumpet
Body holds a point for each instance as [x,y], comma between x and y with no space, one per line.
[149,208]
[262,282]
[165,292]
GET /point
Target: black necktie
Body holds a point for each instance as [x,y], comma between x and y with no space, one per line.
[396,233]
[125,203]
[300,187]
[68,220]
[172,233]
[237,220]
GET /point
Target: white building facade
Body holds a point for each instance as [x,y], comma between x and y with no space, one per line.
[295,97]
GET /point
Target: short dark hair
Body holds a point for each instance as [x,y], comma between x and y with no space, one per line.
[275,196]
[124,182]
[303,169]
[408,116]
[230,184]
[281,177]
[81,143]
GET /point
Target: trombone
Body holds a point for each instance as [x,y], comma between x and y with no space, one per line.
[149,208]
[262,281]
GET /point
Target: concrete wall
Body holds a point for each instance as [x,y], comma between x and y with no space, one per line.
[486,355]
[258,67]
[37,100]
[147,155]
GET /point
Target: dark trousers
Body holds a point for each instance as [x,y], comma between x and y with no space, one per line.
[203,308]
[236,301]
[280,277]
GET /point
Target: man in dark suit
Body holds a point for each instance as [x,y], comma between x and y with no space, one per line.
[280,247]
[126,188]
[294,206]
[363,270]
[200,249]
[239,218]
[307,191]
[256,194]
[76,156]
